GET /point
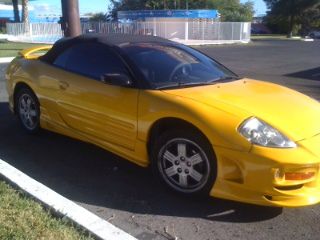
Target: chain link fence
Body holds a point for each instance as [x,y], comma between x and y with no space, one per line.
[195,32]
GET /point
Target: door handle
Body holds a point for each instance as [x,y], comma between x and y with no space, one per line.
[63,85]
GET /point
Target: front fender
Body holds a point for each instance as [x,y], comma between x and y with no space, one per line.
[220,127]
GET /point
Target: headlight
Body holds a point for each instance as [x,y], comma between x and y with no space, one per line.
[260,133]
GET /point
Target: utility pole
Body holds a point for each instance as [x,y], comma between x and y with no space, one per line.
[70,21]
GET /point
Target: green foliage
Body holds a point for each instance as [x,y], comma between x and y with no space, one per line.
[277,25]
[233,10]
[288,15]
[98,17]
[310,20]
[3,29]
[230,10]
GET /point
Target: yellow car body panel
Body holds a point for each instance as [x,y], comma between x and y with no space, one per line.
[268,101]
[120,120]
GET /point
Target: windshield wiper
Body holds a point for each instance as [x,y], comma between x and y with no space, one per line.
[181,84]
[224,79]
[194,84]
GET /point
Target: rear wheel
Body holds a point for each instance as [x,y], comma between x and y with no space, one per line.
[28,110]
[185,162]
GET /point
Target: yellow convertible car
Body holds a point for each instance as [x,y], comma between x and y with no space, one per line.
[201,128]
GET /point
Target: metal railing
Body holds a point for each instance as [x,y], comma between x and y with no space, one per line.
[35,32]
[187,32]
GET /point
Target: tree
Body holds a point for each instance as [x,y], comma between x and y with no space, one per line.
[288,12]
[233,10]
[16,10]
[98,17]
[15,4]
[70,21]
[25,12]
[310,20]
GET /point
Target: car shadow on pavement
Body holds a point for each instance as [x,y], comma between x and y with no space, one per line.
[89,175]
[310,74]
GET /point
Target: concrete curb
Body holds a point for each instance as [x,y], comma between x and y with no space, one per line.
[308,40]
[92,223]
[6,59]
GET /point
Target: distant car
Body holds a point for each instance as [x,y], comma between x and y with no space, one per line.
[258,31]
[314,34]
[203,129]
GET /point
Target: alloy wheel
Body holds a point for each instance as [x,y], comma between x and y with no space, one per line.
[28,111]
[184,165]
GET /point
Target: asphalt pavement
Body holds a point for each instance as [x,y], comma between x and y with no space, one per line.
[127,195]
[295,64]
[3,92]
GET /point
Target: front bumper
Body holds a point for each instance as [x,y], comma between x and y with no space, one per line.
[270,176]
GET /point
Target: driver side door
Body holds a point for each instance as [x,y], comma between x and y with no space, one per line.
[106,114]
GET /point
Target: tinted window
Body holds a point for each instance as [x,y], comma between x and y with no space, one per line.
[61,60]
[90,59]
[169,65]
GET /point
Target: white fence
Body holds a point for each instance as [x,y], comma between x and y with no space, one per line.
[195,32]
[35,32]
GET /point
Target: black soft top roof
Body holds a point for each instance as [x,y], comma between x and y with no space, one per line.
[113,39]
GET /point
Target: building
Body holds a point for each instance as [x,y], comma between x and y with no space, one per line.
[169,15]
[180,24]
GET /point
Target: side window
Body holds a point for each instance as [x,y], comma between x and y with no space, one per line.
[90,59]
[61,60]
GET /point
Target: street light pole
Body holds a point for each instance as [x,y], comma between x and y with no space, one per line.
[70,18]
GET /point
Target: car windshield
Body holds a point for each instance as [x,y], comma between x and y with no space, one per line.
[171,66]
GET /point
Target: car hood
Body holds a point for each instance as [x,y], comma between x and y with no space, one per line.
[294,114]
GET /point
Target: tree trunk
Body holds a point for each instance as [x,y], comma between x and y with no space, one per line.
[16,11]
[71,25]
[291,25]
[25,12]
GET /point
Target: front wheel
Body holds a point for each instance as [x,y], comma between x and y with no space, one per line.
[28,110]
[185,162]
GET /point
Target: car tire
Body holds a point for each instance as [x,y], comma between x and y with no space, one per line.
[185,162]
[28,110]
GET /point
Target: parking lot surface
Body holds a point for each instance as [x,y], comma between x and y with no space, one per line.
[127,195]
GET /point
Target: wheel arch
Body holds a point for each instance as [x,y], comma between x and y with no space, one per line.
[165,124]
[191,132]
[17,87]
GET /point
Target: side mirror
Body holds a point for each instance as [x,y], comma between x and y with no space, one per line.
[117,79]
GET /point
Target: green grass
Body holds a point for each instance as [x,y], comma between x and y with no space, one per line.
[11,49]
[270,37]
[22,218]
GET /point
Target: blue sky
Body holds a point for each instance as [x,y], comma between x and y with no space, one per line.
[54,6]
[86,6]
[259,6]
